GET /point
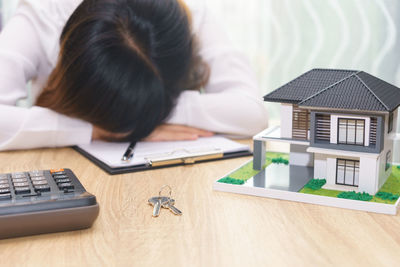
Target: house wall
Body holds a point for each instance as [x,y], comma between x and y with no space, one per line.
[368,175]
[286,120]
[325,168]
[395,120]
[388,146]
[320,166]
[299,156]
[334,126]
[372,173]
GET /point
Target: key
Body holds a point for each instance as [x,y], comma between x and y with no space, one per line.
[170,205]
[157,202]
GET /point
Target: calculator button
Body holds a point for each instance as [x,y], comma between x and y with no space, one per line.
[60,181]
[22,190]
[39,182]
[36,173]
[66,186]
[38,178]
[5,196]
[3,176]
[58,176]
[4,190]
[20,180]
[3,181]
[42,188]
[53,171]
[24,184]
[18,175]
[3,186]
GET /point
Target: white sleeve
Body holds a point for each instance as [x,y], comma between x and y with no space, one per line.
[232,102]
[20,56]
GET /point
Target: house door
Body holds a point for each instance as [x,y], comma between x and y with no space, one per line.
[347,172]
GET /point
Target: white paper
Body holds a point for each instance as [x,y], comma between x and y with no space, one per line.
[111,153]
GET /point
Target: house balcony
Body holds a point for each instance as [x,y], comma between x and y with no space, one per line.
[274,134]
[372,148]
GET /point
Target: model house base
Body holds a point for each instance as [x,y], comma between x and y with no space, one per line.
[285,182]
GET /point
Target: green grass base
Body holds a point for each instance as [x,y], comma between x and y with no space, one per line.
[245,172]
[241,175]
[392,185]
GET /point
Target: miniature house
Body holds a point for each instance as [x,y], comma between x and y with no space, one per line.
[340,123]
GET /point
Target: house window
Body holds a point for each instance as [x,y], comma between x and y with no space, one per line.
[390,126]
[351,132]
[372,131]
[388,160]
[323,127]
[300,124]
[347,172]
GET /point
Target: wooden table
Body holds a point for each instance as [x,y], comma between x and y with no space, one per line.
[216,229]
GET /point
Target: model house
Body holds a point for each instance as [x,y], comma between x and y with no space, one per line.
[339,123]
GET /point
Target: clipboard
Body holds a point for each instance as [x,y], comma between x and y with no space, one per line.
[172,153]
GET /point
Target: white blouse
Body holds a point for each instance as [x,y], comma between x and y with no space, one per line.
[29,46]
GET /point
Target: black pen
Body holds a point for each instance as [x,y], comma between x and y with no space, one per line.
[128,155]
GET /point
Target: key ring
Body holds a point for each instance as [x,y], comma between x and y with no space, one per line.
[162,188]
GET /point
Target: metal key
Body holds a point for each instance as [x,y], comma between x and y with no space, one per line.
[170,205]
[157,202]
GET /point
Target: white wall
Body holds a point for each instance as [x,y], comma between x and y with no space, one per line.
[299,156]
[320,166]
[368,181]
[325,168]
[330,170]
[388,146]
[286,120]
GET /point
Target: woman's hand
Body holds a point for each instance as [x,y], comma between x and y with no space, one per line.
[175,132]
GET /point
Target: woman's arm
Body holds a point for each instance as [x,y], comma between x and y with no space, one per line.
[21,54]
[231,102]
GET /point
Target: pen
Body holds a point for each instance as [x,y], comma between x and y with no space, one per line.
[128,155]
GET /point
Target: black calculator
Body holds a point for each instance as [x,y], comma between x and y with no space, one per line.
[44,201]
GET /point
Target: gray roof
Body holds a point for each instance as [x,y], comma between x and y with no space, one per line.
[338,89]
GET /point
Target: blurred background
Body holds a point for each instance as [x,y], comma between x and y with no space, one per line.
[285,38]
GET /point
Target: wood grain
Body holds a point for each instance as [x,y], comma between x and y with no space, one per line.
[216,229]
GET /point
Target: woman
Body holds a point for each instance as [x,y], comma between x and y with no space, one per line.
[122,70]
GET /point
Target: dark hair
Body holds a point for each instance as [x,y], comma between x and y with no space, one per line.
[123,63]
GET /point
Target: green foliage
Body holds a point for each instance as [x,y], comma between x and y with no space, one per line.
[355,196]
[280,160]
[398,167]
[246,171]
[315,184]
[229,180]
[320,192]
[387,196]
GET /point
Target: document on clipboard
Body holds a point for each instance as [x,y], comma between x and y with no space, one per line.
[152,155]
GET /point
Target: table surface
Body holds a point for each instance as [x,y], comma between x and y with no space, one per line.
[216,229]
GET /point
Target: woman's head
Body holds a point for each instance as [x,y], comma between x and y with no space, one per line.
[123,63]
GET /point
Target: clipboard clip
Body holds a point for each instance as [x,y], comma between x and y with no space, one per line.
[185,157]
